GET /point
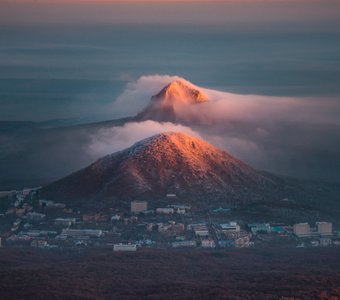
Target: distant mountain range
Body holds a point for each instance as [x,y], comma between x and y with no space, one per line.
[34,154]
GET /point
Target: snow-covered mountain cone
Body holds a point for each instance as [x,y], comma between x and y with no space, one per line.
[171,100]
[165,163]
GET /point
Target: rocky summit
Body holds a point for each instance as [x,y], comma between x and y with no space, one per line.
[177,95]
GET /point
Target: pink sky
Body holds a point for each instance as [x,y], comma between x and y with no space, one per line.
[227,12]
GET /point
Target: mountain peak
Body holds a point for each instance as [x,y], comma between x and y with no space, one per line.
[178,139]
[174,97]
[165,143]
[168,162]
[182,91]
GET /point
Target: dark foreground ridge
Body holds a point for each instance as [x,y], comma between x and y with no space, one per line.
[156,274]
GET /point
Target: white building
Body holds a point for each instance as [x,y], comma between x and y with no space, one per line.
[65,222]
[165,210]
[35,217]
[181,211]
[171,195]
[124,247]
[230,227]
[325,242]
[115,217]
[82,232]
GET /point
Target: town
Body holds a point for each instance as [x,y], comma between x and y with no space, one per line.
[29,221]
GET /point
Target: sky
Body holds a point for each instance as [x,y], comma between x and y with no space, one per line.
[83,56]
[210,12]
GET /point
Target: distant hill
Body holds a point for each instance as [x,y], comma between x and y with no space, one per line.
[169,162]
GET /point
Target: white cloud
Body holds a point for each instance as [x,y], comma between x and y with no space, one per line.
[226,107]
[109,140]
[280,134]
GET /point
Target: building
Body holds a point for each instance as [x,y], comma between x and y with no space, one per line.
[180,209]
[200,230]
[26,191]
[301,229]
[325,242]
[35,217]
[171,228]
[315,243]
[39,233]
[82,232]
[336,243]
[51,204]
[165,210]
[64,222]
[243,242]
[221,210]
[115,217]
[151,227]
[278,229]
[175,206]
[226,243]
[124,247]
[39,243]
[230,227]
[171,195]
[324,228]
[257,228]
[179,244]
[95,218]
[58,205]
[208,243]
[20,212]
[139,206]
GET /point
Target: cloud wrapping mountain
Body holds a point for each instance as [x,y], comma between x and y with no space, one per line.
[296,136]
[288,136]
[108,140]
